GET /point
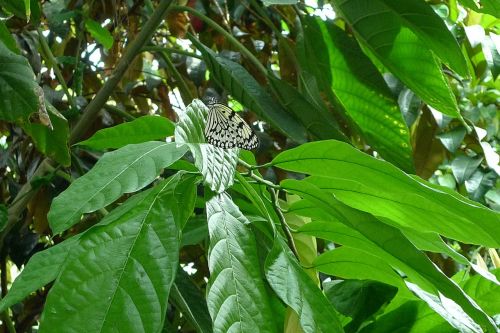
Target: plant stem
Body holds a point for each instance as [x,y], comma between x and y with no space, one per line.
[52,62]
[284,225]
[118,111]
[226,34]
[154,48]
[183,87]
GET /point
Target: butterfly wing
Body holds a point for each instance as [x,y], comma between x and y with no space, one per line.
[226,129]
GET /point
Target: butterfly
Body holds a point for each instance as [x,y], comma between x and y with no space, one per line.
[226,129]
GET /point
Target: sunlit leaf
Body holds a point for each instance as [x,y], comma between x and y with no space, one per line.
[389,244]
[142,129]
[360,89]
[101,35]
[122,171]
[384,35]
[378,187]
[424,22]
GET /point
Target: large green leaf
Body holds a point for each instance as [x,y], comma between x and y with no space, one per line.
[140,130]
[424,22]
[45,266]
[484,292]
[360,89]
[351,263]
[122,171]
[41,269]
[7,39]
[18,98]
[390,244]
[236,297]
[411,317]
[491,7]
[378,187]
[385,35]
[121,272]
[51,142]
[243,87]
[317,121]
[359,299]
[292,284]
[217,165]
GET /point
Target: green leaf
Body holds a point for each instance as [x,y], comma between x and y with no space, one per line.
[217,165]
[51,142]
[479,183]
[385,35]
[7,39]
[411,317]
[186,296]
[16,7]
[236,296]
[4,216]
[389,244]
[244,88]
[41,269]
[195,231]
[424,22]
[381,189]
[448,309]
[347,262]
[359,299]
[140,130]
[317,122]
[18,98]
[125,170]
[101,35]
[464,166]
[491,7]
[452,139]
[292,284]
[484,292]
[360,89]
[120,272]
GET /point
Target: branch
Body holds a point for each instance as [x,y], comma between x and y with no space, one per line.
[107,89]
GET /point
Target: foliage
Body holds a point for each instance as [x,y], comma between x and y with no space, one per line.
[371,205]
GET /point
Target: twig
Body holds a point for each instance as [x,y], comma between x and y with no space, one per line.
[52,62]
[284,225]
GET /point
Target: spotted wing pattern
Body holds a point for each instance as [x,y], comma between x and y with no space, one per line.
[226,129]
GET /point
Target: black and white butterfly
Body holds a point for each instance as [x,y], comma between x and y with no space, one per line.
[226,129]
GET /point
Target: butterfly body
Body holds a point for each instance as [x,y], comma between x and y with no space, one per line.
[226,129]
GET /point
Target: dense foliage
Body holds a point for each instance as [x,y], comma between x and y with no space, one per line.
[371,205]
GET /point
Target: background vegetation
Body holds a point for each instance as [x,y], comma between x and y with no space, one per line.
[371,204]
